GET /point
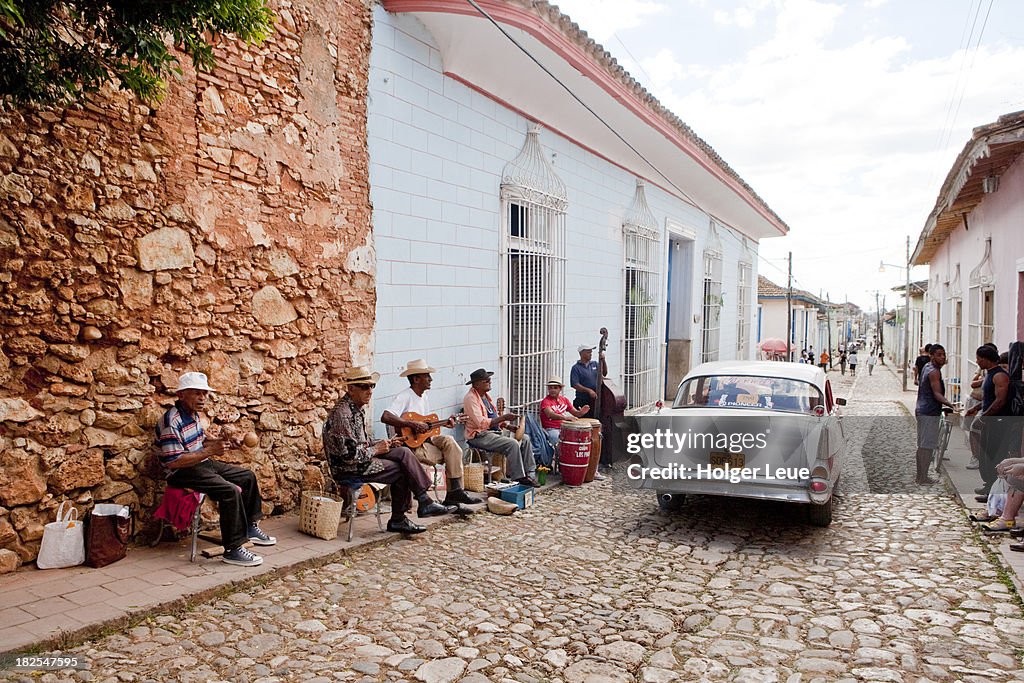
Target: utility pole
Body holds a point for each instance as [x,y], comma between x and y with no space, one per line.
[906,322]
[789,311]
[878,323]
[828,325]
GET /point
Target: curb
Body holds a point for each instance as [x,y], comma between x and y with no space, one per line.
[68,639]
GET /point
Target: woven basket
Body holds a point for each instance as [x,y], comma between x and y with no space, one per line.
[473,473]
[320,514]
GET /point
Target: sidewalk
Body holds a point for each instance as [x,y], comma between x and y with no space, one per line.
[963,482]
[46,609]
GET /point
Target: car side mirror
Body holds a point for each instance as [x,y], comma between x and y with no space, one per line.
[840,401]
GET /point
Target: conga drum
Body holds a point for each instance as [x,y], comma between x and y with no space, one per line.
[595,447]
[573,452]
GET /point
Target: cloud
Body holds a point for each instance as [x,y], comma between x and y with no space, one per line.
[605,17]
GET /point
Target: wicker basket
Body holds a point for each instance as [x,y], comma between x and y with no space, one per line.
[473,473]
[320,514]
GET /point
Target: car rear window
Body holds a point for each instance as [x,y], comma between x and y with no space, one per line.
[733,391]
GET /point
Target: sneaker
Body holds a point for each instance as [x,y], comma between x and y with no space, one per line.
[599,477]
[973,464]
[259,537]
[242,557]
[997,526]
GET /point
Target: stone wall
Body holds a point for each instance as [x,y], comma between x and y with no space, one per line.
[226,231]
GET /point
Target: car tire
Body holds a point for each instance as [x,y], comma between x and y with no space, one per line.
[820,515]
[670,502]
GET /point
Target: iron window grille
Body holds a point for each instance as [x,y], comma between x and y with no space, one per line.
[711,319]
[743,310]
[640,304]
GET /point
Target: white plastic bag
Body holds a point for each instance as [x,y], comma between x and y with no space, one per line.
[63,541]
[997,497]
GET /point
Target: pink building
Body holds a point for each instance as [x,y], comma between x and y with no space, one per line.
[973,243]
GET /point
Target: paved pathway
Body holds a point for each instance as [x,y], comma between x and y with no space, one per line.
[596,584]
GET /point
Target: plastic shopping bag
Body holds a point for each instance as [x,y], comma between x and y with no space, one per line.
[997,497]
[63,540]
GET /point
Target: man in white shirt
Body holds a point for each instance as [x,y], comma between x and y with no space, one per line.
[435,449]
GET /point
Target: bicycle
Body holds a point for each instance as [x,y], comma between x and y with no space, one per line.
[945,427]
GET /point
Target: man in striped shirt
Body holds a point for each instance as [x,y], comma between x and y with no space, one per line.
[188,457]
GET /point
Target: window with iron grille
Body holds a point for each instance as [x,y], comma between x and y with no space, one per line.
[953,353]
[712,313]
[532,277]
[743,308]
[981,307]
[640,365]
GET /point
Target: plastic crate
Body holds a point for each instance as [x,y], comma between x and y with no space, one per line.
[521,495]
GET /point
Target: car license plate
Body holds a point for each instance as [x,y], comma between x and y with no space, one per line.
[723,459]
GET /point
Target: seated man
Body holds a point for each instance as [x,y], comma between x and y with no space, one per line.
[554,408]
[483,425]
[351,454]
[436,448]
[187,455]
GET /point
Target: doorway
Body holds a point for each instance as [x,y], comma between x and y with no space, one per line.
[679,311]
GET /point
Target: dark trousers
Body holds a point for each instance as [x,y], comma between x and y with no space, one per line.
[235,491]
[585,400]
[997,444]
[404,473]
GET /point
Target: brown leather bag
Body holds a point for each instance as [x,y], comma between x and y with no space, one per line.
[107,534]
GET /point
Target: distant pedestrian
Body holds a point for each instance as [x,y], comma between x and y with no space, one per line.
[853,362]
[921,361]
[842,361]
[881,357]
[824,360]
[872,359]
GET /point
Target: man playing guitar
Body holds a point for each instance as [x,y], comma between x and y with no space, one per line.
[434,449]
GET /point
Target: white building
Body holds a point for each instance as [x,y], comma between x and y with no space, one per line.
[973,243]
[805,330]
[527,192]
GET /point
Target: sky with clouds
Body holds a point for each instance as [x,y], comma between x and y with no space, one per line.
[844,116]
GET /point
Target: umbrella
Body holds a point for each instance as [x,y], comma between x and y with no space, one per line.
[773,345]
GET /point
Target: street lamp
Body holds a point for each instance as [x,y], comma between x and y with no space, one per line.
[906,314]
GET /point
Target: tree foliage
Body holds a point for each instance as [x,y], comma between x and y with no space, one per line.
[53,51]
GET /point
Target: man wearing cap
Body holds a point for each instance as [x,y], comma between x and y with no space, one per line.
[187,455]
[584,378]
[435,449]
[483,426]
[351,454]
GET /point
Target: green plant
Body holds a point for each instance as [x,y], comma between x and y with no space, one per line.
[53,51]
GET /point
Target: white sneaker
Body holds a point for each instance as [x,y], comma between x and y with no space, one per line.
[973,464]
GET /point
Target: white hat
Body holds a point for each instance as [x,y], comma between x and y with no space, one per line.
[584,347]
[554,380]
[417,367]
[360,375]
[193,380]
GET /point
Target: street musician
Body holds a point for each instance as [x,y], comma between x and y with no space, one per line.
[409,414]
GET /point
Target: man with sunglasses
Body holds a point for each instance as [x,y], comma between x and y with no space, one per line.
[352,454]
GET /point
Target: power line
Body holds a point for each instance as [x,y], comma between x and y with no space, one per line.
[974,55]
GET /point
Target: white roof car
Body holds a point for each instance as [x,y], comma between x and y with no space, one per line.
[751,429]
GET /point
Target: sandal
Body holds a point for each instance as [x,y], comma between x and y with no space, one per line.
[982,516]
[997,526]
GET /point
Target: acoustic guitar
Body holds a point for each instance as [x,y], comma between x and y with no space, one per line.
[518,427]
[413,439]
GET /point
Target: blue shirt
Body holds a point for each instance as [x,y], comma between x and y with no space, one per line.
[584,374]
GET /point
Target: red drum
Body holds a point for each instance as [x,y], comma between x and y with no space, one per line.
[574,452]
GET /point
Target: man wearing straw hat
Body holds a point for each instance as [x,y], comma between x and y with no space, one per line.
[188,456]
[351,453]
[482,430]
[435,449]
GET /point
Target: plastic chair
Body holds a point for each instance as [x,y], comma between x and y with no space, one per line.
[349,488]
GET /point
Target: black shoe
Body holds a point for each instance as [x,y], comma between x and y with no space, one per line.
[926,481]
[405,526]
[981,499]
[529,481]
[1017,532]
[431,509]
[983,490]
[460,496]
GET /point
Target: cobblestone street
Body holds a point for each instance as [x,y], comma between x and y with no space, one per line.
[597,584]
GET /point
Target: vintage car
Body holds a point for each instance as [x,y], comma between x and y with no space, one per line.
[751,429]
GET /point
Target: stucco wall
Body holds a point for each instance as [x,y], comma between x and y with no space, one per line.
[226,231]
[437,150]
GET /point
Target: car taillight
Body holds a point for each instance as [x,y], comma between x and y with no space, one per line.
[819,486]
[819,410]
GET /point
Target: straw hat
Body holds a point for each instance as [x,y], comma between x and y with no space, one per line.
[554,380]
[193,380]
[360,375]
[417,367]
